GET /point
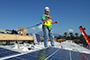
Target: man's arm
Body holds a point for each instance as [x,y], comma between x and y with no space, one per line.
[44,20]
[55,22]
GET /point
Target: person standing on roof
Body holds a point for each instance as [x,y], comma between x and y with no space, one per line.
[47,27]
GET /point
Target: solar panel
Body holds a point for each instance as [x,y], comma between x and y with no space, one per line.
[38,37]
[6,52]
[52,53]
[61,54]
[80,56]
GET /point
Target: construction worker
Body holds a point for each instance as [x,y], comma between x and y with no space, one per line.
[47,27]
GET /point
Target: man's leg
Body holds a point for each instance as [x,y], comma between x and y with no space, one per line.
[45,31]
[51,36]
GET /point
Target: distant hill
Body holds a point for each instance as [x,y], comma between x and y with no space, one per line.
[2,30]
[41,34]
[55,34]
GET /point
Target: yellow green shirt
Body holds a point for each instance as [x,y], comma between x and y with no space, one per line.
[48,23]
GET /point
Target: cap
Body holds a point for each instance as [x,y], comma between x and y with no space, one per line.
[47,9]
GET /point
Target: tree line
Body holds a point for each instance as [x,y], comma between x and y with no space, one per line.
[74,37]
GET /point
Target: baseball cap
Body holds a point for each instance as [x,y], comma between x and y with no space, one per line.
[47,9]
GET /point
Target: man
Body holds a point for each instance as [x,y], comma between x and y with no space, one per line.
[47,27]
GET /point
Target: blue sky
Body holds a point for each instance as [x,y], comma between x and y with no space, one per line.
[24,13]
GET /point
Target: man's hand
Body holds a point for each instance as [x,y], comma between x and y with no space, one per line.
[56,22]
[50,17]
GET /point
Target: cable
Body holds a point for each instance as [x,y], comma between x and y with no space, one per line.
[38,25]
[34,25]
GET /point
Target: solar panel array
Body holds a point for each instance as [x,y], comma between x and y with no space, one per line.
[6,52]
[52,53]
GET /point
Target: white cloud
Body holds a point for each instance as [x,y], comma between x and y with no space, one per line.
[71,30]
[40,27]
[33,28]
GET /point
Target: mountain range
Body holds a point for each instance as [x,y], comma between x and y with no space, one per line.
[41,34]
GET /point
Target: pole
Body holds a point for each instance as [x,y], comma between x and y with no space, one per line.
[85,35]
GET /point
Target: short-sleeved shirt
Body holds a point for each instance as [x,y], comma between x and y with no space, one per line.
[48,23]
